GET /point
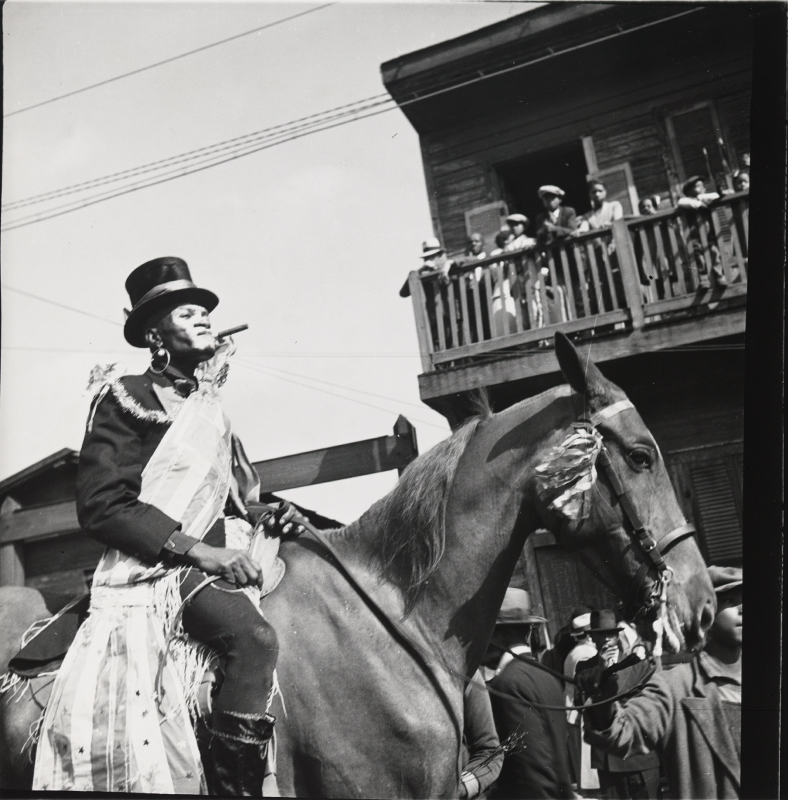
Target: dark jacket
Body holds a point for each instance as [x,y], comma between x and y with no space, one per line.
[680,714]
[539,765]
[567,222]
[628,678]
[125,427]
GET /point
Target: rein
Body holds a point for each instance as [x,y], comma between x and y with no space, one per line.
[654,549]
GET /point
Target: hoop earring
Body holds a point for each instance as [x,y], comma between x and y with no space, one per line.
[158,355]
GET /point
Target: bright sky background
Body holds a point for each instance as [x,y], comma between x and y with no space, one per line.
[308,242]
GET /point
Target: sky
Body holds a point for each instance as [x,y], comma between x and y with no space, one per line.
[307,242]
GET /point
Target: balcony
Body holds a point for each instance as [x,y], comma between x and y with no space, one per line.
[671,279]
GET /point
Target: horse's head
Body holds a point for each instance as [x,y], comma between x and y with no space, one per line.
[624,506]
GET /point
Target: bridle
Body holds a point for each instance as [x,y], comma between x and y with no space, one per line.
[654,549]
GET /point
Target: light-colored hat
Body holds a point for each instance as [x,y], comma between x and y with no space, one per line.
[521,218]
[431,247]
[548,189]
[723,579]
[580,621]
[516,609]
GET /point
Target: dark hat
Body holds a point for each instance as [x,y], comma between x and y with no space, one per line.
[516,609]
[154,285]
[603,620]
[723,579]
[690,183]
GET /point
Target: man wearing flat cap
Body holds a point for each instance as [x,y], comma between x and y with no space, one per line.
[165,485]
[557,222]
[690,714]
[538,763]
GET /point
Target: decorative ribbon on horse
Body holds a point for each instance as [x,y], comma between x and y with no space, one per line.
[569,471]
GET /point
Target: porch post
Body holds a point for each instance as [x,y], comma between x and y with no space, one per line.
[627,263]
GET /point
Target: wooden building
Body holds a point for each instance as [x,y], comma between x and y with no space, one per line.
[643,96]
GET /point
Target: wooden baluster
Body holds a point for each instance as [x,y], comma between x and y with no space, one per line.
[466,323]
[570,292]
[648,267]
[662,260]
[629,271]
[542,295]
[530,295]
[559,293]
[600,298]
[477,305]
[451,302]
[500,274]
[440,315]
[494,333]
[609,271]
[725,258]
[692,277]
[514,291]
[423,332]
[739,230]
[581,275]
[703,225]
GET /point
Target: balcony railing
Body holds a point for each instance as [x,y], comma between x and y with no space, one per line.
[636,273]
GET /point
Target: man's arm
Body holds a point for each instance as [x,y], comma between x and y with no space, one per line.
[570,222]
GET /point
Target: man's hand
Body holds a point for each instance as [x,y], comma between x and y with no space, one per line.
[550,226]
[285,520]
[233,566]
[469,786]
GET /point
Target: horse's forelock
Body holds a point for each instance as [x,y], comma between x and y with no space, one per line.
[411,519]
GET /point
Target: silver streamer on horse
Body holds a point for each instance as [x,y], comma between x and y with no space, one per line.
[569,471]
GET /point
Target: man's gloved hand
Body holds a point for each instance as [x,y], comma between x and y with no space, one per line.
[282,519]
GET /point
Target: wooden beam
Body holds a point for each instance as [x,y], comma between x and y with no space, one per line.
[12,563]
[676,334]
[36,523]
[343,461]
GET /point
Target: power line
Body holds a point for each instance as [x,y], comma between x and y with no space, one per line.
[59,211]
[77,205]
[333,394]
[168,60]
[59,305]
[265,133]
[349,388]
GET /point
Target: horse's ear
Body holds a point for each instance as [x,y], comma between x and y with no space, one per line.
[581,374]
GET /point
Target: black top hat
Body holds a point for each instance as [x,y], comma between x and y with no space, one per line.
[156,284]
[603,621]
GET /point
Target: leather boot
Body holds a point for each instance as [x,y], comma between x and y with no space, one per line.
[238,752]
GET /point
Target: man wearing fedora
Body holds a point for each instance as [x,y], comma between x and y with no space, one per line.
[538,763]
[636,776]
[690,714]
[164,484]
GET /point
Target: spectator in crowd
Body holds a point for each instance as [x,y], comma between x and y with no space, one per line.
[503,240]
[433,257]
[481,763]
[518,224]
[741,180]
[557,222]
[646,207]
[538,764]
[475,247]
[691,714]
[638,775]
[695,194]
[583,774]
[602,212]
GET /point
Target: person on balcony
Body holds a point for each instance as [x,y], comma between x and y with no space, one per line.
[741,181]
[433,258]
[697,198]
[558,222]
[603,212]
[518,224]
[646,207]
[695,194]
[474,250]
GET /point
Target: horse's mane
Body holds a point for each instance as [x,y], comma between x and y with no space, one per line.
[410,520]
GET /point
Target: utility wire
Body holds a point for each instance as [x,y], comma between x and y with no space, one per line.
[168,60]
[59,305]
[246,139]
[59,211]
[340,386]
[333,394]
[76,205]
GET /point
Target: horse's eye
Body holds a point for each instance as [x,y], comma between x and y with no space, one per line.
[640,458]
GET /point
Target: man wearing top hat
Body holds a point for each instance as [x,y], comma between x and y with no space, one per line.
[163,483]
[636,776]
[538,763]
[690,714]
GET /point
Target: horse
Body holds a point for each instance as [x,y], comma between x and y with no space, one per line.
[381,622]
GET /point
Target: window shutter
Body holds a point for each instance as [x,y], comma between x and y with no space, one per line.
[719,516]
[486,220]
